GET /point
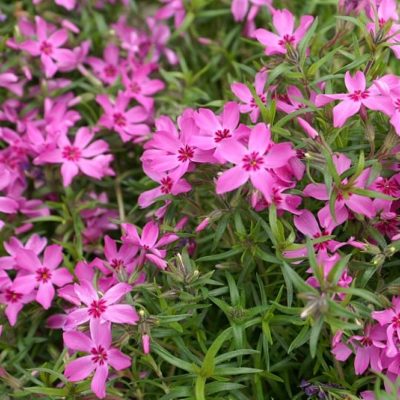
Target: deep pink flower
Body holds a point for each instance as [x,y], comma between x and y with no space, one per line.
[148,243]
[42,274]
[14,245]
[345,199]
[12,297]
[243,93]
[390,320]
[109,69]
[102,308]
[170,183]
[48,48]
[287,37]
[253,162]
[172,8]
[140,87]
[79,156]
[127,123]
[101,357]
[358,95]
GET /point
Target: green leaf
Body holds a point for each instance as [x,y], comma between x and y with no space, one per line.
[314,335]
[220,256]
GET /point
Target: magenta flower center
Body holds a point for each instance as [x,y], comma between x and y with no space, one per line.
[12,297]
[135,88]
[322,245]
[43,275]
[166,185]
[46,48]
[381,22]
[358,95]
[186,153]
[252,161]
[253,102]
[222,134]
[97,307]
[276,197]
[110,71]
[396,321]
[397,104]
[119,119]
[99,355]
[71,153]
[366,341]
[117,264]
[287,40]
[387,187]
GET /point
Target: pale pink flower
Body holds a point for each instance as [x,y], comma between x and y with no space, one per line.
[101,357]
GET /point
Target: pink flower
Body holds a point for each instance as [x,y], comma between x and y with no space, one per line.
[172,8]
[102,308]
[148,243]
[79,156]
[107,70]
[14,245]
[253,162]
[49,48]
[12,297]
[345,196]
[390,320]
[146,344]
[287,37]
[41,274]
[140,87]
[215,130]
[352,101]
[170,183]
[102,355]
[242,92]
[125,122]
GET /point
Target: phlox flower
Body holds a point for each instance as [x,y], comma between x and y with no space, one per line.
[287,37]
[243,93]
[43,275]
[48,48]
[102,308]
[345,199]
[127,123]
[172,8]
[109,68]
[101,357]
[252,163]
[358,96]
[390,320]
[148,243]
[78,156]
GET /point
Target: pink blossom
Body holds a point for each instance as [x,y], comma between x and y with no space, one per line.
[146,344]
[358,96]
[287,37]
[172,8]
[390,320]
[41,274]
[125,122]
[109,69]
[170,183]
[148,243]
[345,198]
[79,156]
[49,48]
[140,87]
[253,162]
[102,308]
[101,357]
[242,92]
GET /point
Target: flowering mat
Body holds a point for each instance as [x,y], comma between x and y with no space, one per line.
[200,199]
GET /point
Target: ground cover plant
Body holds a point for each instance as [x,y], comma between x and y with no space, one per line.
[199,199]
